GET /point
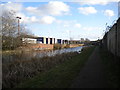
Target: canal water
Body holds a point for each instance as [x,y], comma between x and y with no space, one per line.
[28,55]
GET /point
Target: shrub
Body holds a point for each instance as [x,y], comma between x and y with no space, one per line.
[18,71]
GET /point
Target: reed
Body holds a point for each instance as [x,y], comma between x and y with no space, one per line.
[18,71]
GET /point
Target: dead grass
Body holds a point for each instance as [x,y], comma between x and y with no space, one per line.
[18,71]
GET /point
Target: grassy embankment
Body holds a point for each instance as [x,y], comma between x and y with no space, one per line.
[112,66]
[18,70]
[60,76]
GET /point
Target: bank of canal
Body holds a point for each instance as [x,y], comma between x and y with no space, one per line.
[9,57]
[20,70]
[60,76]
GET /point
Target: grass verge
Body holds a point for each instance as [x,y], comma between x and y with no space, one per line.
[112,66]
[17,71]
[60,76]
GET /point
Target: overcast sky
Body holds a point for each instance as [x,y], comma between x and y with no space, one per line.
[61,19]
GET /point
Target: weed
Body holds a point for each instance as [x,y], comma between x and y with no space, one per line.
[20,70]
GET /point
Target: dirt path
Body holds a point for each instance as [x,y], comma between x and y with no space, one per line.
[92,74]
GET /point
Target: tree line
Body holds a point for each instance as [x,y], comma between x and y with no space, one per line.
[9,30]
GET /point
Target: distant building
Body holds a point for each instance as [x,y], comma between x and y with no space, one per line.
[44,40]
[74,41]
[29,40]
[65,42]
[47,40]
[52,40]
[59,41]
[55,41]
[41,40]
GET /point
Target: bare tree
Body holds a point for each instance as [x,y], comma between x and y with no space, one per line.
[9,31]
[87,40]
[82,40]
[9,23]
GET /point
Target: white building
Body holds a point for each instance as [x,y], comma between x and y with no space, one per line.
[29,40]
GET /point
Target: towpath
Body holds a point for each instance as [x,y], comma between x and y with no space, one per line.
[92,74]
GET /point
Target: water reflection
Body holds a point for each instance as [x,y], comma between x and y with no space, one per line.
[6,58]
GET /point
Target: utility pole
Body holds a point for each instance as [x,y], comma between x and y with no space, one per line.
[70,36]
[18,25]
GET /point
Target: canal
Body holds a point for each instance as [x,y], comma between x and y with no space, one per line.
[28,55]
